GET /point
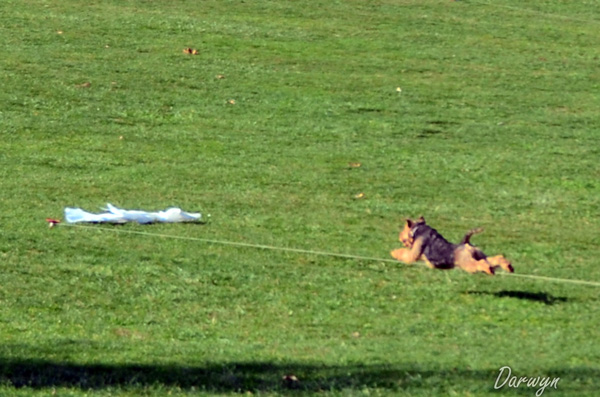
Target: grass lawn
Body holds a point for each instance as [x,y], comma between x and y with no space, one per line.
[471,113]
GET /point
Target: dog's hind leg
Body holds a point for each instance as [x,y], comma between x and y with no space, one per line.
[471,260]
[502,262]
[474,266]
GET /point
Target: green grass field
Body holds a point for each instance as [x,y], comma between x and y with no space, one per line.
[471,113]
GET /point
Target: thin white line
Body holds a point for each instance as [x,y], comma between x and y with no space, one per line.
[555,279]
[311,252]
[239,244]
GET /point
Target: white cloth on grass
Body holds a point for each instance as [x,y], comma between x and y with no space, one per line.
[118,215]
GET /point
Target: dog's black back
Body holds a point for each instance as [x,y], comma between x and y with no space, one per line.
[438,251]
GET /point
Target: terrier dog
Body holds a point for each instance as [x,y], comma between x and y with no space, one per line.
[424,242]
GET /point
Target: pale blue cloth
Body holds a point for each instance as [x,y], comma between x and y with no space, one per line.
[118,215]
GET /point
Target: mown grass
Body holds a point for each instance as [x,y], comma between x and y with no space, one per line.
[494,125]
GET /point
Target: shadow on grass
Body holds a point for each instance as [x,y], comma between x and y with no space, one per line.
[542,297]
[259,377]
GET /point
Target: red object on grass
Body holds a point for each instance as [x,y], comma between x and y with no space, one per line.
[52,222]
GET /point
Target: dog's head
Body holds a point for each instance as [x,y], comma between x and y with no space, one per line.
[407,233]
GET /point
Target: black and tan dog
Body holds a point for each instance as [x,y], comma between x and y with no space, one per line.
[424,242]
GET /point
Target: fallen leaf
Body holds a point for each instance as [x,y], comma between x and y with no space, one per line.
[231,101]
[220,76]
[354,165]
[359,196]
[87,84]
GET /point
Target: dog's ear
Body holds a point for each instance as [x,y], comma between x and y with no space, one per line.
[421,220]
[409,222]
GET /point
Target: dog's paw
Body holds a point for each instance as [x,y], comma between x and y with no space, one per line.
[398,254]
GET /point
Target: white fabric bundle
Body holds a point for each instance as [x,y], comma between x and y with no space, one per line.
[118,215]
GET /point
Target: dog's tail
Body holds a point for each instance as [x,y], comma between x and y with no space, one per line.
[467,238]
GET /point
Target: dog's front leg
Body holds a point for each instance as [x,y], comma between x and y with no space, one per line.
[409,255]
